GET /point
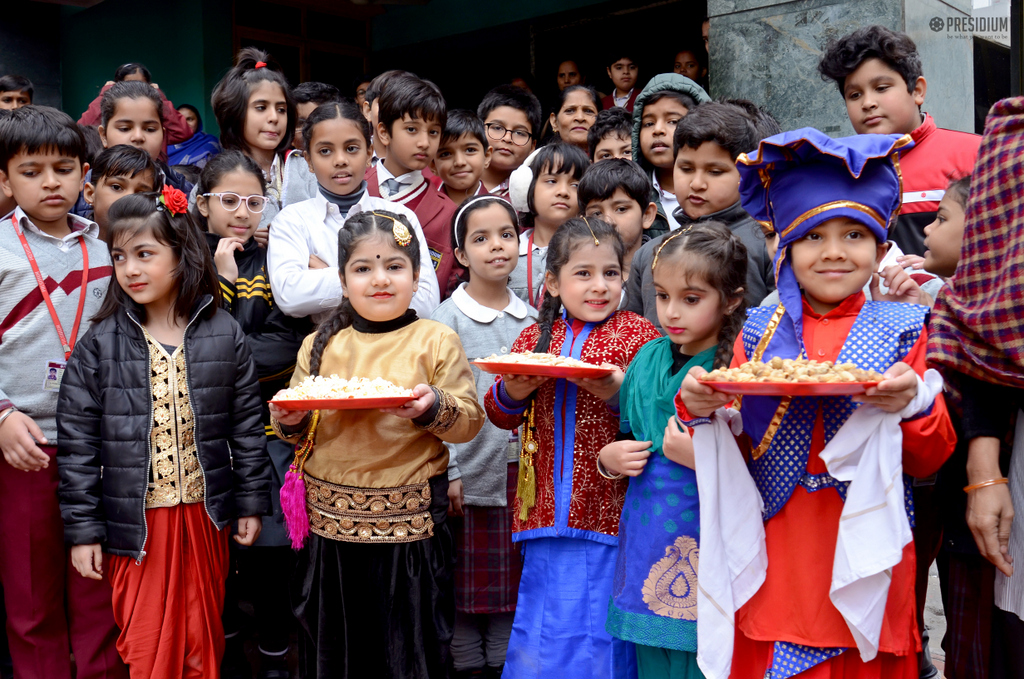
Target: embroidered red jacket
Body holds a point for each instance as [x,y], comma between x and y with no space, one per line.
[572,425]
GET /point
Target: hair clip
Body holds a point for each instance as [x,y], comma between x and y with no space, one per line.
[661,247]
[260,64]
[399,230]
[476,199]
[597,243]
[174,200]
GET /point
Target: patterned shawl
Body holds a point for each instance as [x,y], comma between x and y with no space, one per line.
[977,324]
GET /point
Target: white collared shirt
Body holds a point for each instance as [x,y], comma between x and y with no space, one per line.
[484,314]
[80,226]
[668,202]
[622,101]
[410,179]
[310,228]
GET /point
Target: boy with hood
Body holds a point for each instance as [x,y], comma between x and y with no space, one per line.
[657,111]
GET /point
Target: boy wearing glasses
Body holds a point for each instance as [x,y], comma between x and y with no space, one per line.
[511,117]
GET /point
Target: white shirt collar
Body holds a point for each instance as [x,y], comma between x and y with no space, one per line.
[482,314]
[409,178]
[79,226]
[524,243]
[621,101]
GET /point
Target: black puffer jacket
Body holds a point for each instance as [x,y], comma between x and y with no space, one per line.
[104,415]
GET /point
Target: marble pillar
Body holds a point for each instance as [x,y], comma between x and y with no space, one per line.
[768,51]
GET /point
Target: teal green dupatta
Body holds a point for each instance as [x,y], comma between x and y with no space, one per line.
[649,389]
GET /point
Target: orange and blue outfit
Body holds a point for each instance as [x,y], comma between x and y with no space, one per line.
[790,627]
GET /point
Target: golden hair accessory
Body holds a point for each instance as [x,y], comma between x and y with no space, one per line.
[661,247]
[399,230]
[597,243]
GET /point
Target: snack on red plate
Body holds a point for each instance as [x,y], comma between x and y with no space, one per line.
[322,388]
[531,358]
[800,370]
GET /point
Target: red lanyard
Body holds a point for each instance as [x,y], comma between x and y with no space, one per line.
[65,344]
[529,274]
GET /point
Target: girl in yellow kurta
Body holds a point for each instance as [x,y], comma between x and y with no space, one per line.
[374,592]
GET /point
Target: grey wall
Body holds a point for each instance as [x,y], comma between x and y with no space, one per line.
[768,51]
[30,46]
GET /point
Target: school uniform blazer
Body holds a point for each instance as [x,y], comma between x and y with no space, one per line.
[435,212]
[609,100]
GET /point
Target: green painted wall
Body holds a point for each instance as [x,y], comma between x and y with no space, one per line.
[407,24]
[186,45]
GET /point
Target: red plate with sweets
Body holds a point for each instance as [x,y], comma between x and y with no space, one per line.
[540,365]
[791,388]
[343,403]
[792,377]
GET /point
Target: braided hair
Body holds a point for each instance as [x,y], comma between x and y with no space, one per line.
[570,236]
[719,258]
[359,227]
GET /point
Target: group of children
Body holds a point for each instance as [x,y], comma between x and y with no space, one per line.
[511,526]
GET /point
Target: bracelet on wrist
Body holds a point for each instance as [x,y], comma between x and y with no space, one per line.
[606,474]
[973,486]
[7,413]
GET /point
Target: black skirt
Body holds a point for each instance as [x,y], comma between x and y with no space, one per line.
[385,611]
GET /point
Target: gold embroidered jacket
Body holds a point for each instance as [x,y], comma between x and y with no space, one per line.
[371,449]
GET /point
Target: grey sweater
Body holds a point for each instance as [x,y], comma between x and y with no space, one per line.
[28,338]
[482,464]
[760,277]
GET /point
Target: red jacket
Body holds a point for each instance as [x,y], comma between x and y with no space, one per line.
[435,211]
[609,101]
[937,157]
[584,424]
[176,130]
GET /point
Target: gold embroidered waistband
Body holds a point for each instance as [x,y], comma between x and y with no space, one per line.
[351,514]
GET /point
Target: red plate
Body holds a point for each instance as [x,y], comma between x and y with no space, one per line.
[344,403]
[791,388]
[533,370]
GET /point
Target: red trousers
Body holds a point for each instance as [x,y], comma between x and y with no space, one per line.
[169,607]
[52,611]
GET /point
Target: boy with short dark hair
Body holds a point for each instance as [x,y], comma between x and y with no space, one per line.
[512,118]
[54,274]
[411,116]
[879,75]
[371,107]
[707,143]
[609,136]
[617,191]
[688,64]
[15,91]
[462,156]
[119,171]
[623,72]
[307,97]
[360,85]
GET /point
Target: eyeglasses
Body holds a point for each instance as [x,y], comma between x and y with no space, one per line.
[497,132]
[230,201]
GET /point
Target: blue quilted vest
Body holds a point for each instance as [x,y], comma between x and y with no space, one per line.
[882,335]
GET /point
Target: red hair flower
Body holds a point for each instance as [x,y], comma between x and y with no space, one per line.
[174,200]
[261,64]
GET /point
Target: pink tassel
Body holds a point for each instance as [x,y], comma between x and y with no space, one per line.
[293,505]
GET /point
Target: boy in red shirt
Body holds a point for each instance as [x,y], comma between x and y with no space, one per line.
[878,73]
[832,201]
